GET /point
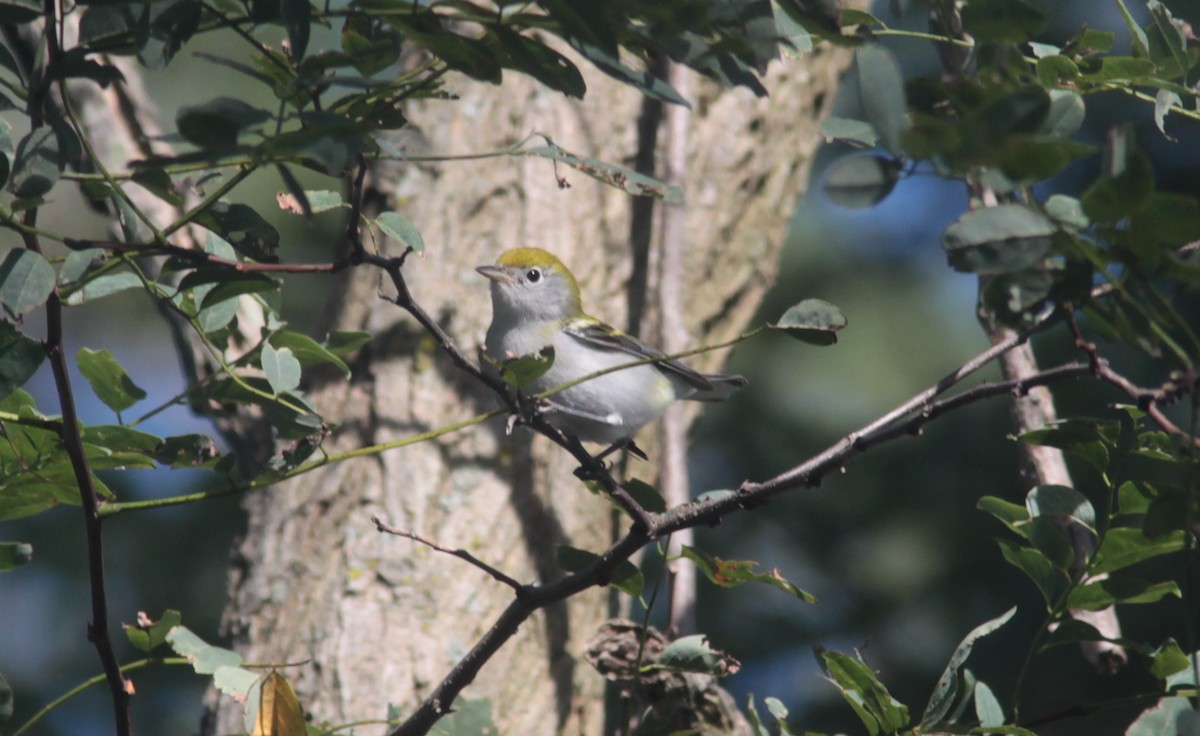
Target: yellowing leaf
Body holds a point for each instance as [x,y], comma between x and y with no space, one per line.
[279,711]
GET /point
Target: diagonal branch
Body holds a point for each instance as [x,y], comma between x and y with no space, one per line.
[462,554]
[906,420]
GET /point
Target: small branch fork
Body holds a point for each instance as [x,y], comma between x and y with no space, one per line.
[462,554]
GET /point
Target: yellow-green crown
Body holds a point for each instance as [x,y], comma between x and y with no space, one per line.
[530,258]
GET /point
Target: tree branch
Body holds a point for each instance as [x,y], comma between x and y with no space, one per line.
[462,554]
[907,419]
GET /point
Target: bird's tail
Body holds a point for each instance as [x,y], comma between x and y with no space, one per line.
[722,387]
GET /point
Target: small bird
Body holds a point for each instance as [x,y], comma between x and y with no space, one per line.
[536,304]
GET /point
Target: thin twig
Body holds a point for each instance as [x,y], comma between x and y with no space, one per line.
[462,554]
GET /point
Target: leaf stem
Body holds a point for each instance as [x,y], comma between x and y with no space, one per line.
[139,664]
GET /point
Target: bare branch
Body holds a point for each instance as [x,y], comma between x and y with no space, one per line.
[459,553]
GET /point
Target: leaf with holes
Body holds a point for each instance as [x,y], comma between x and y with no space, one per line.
[731,573]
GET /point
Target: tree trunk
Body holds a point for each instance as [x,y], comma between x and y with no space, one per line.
[380,619]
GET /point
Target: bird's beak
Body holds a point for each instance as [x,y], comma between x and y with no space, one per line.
[498,274]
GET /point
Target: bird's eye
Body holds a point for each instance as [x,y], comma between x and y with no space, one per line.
[533,275]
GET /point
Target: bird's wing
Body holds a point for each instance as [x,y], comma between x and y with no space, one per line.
[604,337]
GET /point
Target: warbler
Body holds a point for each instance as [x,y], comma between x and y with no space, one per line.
[536,304]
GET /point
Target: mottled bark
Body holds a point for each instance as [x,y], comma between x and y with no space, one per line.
[383,619]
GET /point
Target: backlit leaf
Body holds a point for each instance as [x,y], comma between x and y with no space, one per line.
[813,321]
[279,710]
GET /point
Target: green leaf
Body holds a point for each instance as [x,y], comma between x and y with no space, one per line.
[1067,211]
[609,63]
[813,321]
[399,228]
[118,438]
[1051,540]
[13,555]
[102,286]
[108,379]
[1168,660]
[1125,546]
[693,653]
[307,350]
[243,228]
[20,358]
[521,371]
[1119,589]
[1034,564]
[1123,192]
[204,658]
[626,577]
[875,706]
[614,175]
[779,711]
[1164,101]
[281,367]
[881,93]
[996,240]
[539,61]
[1164,222]
[946,692]
[147,634]
[77,262]
[987,707]
[1122,69]
[646,495]
[344,343]
[1168,42]
[1061,501]
[858,182]
[1066,114]
[297,17]
[321,200]
[1029,159]
[732,573]
[26,281]
[38,164]
[795,40]
[1057,70]
[1010,514]
[369,45]
[170,25]
[215,125]
[229,284]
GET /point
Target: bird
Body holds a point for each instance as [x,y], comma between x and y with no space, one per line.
[536,304]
